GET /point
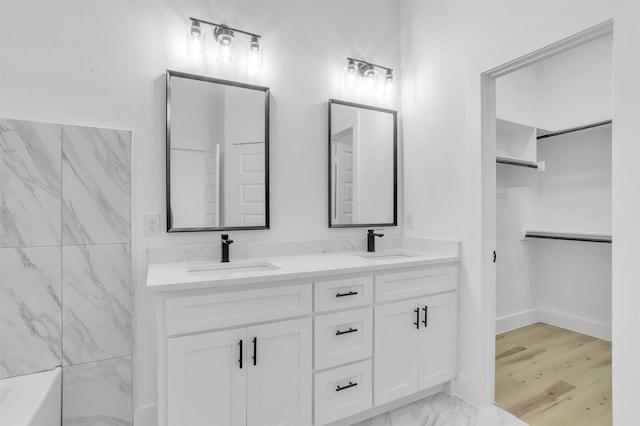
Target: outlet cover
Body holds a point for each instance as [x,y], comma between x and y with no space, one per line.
[151,225]
[410,220]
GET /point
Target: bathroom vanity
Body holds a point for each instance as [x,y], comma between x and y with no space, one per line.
[302,340]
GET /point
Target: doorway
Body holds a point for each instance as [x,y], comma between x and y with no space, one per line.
[531,255]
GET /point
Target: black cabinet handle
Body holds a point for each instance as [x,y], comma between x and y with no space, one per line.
[350,385]
[351,293]
[350,330]
[240,360]
[255,350]
[426,312]
[417,323]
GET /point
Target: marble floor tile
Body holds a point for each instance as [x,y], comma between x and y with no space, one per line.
[98,393]
[443,410]
[97,302]
[96,192]
[30,197]
[30,310]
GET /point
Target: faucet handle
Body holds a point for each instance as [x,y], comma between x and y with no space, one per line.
[371,233]
[225,238]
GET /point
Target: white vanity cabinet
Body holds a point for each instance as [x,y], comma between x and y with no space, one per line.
[415,345]
[237,358]
[332,349]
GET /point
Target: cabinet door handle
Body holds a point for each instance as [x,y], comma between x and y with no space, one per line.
[350,385]
[417,323]
[350,330]
[426,312]
[240,360]
[351,293]
[255,350]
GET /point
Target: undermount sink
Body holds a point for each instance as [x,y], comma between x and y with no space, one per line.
[218,268]
[384,256]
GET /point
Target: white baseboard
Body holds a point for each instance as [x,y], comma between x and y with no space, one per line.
[574,323]
[511,322]
[146,415]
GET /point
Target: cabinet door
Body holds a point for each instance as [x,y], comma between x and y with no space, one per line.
[205,384]
[279,378]
[437,339]
[395,355]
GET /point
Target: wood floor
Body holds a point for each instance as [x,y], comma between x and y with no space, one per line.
[549,376]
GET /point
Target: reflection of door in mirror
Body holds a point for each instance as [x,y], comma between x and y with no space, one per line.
[362,174]
[343,176]
[218,137]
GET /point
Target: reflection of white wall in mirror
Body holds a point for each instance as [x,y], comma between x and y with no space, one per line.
[375,167]
[195,127]
[244,115]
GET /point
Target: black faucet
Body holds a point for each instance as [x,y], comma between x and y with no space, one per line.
[371,240]
[225,247]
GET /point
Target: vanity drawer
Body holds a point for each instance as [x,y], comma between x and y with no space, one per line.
[342,392]
[343,293]
[342,337]
[190,314]
[416,282]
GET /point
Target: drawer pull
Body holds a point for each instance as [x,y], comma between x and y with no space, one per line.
[350,385]
[417,323]
[351,293]
[426,312]
[255,350]
[240,360]
[350,330]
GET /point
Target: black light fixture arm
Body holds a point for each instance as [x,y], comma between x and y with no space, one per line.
[369,63]
[201,21]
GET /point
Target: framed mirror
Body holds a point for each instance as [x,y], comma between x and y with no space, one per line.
[363,181]
[217,154]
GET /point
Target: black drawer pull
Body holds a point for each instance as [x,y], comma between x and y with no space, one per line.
[255,350]
[351,293]
[350,385]
[426,312]
[350,330]
[417,323]
[240,360]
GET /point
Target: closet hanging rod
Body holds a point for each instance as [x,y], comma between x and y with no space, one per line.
[574,129]
[568,236]
[517,162]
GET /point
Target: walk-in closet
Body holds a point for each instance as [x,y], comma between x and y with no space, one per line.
[553,210]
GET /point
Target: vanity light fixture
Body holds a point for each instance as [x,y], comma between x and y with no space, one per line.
[364,74]
[225,39]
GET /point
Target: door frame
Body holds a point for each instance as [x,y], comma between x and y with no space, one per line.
[476,376]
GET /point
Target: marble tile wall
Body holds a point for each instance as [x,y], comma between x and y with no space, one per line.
[65,264]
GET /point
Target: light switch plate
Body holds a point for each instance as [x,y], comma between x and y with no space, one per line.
[151,225]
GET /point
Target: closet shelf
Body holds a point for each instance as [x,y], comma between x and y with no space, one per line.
[546,135]
[510,161]
[568,236]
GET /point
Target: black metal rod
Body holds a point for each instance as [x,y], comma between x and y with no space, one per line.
[417,323]
[516,163]
[370,63]
[426,312]
[350,385]
[240,360]
[589,239]
[225,26]
[350,330]
[574,129]
[255,350]
[351,293]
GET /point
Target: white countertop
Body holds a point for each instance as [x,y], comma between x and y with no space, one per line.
[176,276]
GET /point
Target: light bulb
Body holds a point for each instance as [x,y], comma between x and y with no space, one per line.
[195,40]
[255,54]
[371,80]
[225,38]
[351,77]
[388,83]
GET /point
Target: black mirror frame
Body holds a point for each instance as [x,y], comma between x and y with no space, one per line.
[395,166]
[267,97]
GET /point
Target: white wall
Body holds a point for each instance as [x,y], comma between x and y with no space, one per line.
[102,63]
[441,47]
